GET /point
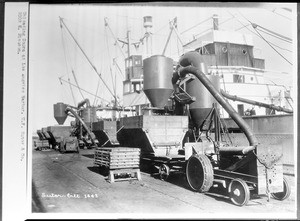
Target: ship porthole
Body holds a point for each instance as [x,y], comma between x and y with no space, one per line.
[224,49]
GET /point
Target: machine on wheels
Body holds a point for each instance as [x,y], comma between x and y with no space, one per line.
[239,171]
[189,137]
[80,134]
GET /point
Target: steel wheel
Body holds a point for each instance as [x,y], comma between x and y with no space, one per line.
[239,192]
[164,172]
[286,191]
[199,173]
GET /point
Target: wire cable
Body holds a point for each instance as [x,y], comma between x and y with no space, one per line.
[258,34]
[275,36]
[64,49]
[274,48]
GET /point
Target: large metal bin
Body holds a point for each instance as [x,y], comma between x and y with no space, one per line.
[57,133]
[106,132]
[158,72]
[156,135]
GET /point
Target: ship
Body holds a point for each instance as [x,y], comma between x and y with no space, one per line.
[173,111]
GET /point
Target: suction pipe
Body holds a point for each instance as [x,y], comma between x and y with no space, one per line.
[85,101]
[256,103]
[69,109]
[188,64]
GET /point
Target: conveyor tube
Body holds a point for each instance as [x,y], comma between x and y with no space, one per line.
[260,104]
[188,59]
[93,137]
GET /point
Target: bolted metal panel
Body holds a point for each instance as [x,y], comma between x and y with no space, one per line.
[59,113]
[158,71]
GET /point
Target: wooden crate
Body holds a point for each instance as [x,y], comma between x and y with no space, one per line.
[123,162]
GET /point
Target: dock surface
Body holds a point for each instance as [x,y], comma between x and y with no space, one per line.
[71,183]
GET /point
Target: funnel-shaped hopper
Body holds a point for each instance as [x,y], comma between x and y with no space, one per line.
[158,97]
[158,72]
[200,109]
[59,113]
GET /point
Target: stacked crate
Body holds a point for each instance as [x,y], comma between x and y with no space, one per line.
[123,162]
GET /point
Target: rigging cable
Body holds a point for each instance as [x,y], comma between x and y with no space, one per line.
[258,34]
[109,58]
[96,92]
[274,35]
[254,27]
[74,76]
[73,73]
[246,26]
[60,79]
[66,60]
[196,25]
[273,11]
[94,68]
[118,67]
[116,40]
[272,47]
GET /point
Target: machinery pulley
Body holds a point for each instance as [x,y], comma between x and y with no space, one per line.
[199,173]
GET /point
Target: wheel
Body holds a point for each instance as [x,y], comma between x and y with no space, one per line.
[164,171]
[286,191]
[239,192]
[199,173]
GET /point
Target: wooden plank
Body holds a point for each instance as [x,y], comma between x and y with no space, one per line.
[122,163]
[125,160]
[123,167]
[135,153]
[117,149]
[124,157]
[118,157]
[116,163]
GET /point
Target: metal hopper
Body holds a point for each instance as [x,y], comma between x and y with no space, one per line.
[60,114]
[158,72]
[155,135]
